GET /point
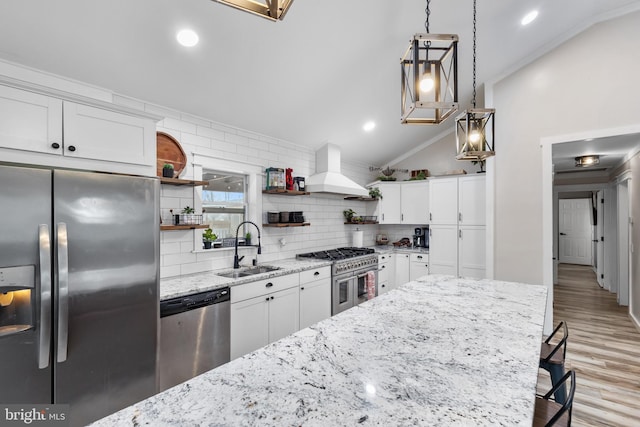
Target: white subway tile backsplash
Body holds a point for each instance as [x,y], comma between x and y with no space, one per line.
[323,211]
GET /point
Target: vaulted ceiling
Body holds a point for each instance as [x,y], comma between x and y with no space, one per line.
[314,77]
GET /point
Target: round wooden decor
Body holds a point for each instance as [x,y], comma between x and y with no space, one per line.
[169,151]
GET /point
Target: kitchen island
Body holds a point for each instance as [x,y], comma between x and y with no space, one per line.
[437,351]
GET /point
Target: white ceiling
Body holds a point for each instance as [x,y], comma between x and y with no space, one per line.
[613,151]
[315,77]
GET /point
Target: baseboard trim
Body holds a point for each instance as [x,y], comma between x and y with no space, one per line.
[635,321]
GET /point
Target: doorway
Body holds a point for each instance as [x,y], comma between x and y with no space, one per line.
[606,142]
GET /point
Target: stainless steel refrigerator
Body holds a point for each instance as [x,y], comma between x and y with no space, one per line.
[78,289]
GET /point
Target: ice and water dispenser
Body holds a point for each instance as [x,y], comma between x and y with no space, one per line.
[16,302]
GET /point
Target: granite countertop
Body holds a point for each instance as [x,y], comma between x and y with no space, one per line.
[438,351]
[387,249]
[173,287]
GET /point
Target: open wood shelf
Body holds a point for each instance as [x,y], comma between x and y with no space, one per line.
[183,227]
[178,181]
[286,192]
[360,198]
[362,222]
[288,224]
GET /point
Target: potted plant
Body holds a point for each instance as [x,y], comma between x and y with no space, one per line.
[375,193]
[208,237]
[348,214]
[247,239]
[167,170]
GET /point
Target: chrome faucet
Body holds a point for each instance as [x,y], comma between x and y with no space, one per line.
[236,260]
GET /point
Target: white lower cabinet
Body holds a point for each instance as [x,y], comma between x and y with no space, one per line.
[471,252]
[315,296]
[443,249]
[262,312]
[419,266]
[384,283]
[402,263]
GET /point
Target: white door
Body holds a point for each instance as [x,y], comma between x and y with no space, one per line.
[611,240]
[574,227]
[599,238]
[624,242]
[415,202]
[443,249]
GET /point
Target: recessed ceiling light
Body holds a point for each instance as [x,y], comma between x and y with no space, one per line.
[529,17]
[369,126]
[187,38]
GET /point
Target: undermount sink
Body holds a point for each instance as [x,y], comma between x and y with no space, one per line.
[249,271]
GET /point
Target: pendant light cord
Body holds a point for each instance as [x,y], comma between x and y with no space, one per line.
[474,53]
[427,10]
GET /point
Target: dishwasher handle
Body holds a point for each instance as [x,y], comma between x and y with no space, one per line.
[194,301]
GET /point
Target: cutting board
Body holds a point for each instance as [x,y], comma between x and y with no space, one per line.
[169,151]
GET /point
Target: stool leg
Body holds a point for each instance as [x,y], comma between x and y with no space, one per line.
[557,372]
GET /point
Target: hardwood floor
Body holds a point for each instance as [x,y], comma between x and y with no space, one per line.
[603,348]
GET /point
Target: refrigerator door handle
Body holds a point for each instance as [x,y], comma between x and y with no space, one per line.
[44,247]
[63,292]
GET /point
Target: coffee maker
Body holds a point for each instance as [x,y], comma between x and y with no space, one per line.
[421,237]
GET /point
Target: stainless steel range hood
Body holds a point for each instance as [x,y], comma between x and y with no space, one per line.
[328,178]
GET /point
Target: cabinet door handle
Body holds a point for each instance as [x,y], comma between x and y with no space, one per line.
[55,145]
[268,285]
[401,217]
[460,233]
[384,266]
[302,289]
[460,216]
[317,273]
[267,298]
[419,257]
[384,286]
[383,217]
[430,216]
[72,148]
[272,297]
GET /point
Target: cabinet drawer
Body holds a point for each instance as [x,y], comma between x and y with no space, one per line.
[383,258]
[419,257]
[315,274]
[263,287]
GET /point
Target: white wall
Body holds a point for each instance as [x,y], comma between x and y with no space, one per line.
[180,250]
[587,83]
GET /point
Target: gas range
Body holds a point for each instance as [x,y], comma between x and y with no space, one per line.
[345,260]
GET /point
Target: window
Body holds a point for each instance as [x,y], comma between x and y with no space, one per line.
[224,202]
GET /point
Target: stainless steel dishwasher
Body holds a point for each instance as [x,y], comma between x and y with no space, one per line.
[194,335]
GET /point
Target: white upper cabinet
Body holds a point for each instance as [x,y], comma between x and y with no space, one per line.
[443,201]
[389,210]
[472,200]
[403,202]
[94,133]
[30,121]
[44,130]
[415,202]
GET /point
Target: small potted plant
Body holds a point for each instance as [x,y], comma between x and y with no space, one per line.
[208,237]
[375,193]
[348,214]
[167,170]
[247,239]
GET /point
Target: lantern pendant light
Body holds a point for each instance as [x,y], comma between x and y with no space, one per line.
[475,126]
[429,86]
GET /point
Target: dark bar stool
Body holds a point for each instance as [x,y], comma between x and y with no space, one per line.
[551,413]
[552,358]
